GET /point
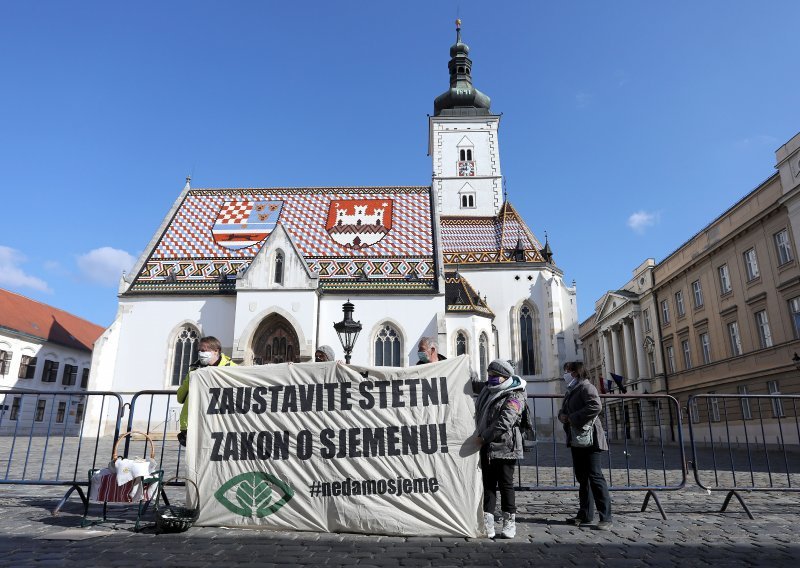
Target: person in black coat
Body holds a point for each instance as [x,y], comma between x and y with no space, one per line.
[581,410]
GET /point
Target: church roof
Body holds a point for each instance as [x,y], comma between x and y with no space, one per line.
[461,297]
[489,240]
[357,239]
[29,317]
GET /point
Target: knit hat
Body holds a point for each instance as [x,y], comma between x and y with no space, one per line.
[500,368]
[328,350]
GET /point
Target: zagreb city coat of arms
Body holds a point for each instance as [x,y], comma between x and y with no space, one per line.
[241,223]
[359,223]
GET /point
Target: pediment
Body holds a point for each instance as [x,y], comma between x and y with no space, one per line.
[261,274]
[611,302]
[465,143]
[466,188]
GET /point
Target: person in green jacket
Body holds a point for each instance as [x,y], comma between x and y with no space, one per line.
[210,355]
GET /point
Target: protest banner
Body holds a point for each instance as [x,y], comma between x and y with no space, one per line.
[329,447]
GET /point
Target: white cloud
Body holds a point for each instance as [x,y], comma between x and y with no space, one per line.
[12,275]
[640,220]
[105,265]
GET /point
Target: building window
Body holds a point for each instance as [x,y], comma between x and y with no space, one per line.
[279,268]
[70,374]
[62,410]
[50,373]
[736,340]
[714,408]
[777,403]
[468,201]
[664,312]
[697,290]
[79,413]
[14,408]
[751,264]
[5,362]
[461,344]
[387,347]
[465,154]
[526,341]
[687,354]
[705,344]
[671,358]
[745,402]
[483,352]
[652,362]
[794,313]
[27,367]
[185,352]
[40,407]
[724,279]
[679,304]
[694,411]
[764,335]
[85,378]
[783,247]
[646,319]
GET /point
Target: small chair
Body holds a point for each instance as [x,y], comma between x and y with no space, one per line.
[143,485]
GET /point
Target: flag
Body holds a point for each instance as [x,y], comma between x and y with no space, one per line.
[602,382]
[620,382]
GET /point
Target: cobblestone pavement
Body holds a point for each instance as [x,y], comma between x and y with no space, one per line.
[694,534]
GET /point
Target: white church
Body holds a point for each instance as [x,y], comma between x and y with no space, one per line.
[267,270]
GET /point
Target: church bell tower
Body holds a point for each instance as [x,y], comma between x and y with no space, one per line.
[463,144]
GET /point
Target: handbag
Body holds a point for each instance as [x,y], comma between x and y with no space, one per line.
[582,437]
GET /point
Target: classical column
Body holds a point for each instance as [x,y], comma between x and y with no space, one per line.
[616,352]
[606,355]
[641,357]
[626,337]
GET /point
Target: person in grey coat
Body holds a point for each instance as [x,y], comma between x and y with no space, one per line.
[582,407]
[497,413]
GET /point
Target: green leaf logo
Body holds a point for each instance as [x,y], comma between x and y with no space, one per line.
[250,494]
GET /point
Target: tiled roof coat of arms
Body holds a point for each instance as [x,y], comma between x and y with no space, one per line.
[372,237]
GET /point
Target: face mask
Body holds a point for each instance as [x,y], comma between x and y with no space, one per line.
[568,378]
[423,357]
[494,381]
[206,357]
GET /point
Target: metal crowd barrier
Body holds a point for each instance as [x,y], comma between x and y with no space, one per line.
[738,442]
[751,441]
[645,447]
[35,426]
[157,414]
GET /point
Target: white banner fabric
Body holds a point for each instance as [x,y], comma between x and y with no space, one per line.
[335,448]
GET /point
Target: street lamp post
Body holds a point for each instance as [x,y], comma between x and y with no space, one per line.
[347,330]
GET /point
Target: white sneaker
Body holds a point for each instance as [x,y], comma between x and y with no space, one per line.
[509,525]
[488,523]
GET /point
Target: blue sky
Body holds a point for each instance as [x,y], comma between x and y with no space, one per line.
[627,126]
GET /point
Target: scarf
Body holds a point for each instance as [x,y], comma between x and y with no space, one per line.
[490,394]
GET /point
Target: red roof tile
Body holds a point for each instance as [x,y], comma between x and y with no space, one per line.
[30,317]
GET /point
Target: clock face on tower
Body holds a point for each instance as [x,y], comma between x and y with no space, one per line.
[466,168]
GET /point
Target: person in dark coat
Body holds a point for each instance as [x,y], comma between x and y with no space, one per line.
[497,413]
[581,409]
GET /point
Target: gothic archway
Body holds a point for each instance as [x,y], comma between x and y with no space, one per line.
[275,341]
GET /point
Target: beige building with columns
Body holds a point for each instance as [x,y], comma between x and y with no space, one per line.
[720,314]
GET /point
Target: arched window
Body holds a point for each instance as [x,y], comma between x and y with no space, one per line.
[185,353]
[279,268]
[463,155]
[387,347]
[5,361]
[483,351]
[469,155]
[526,341]
[461,343]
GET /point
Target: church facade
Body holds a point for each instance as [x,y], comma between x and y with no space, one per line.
[267,270]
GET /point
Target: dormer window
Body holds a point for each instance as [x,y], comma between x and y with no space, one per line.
[279,267]
[466,197]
